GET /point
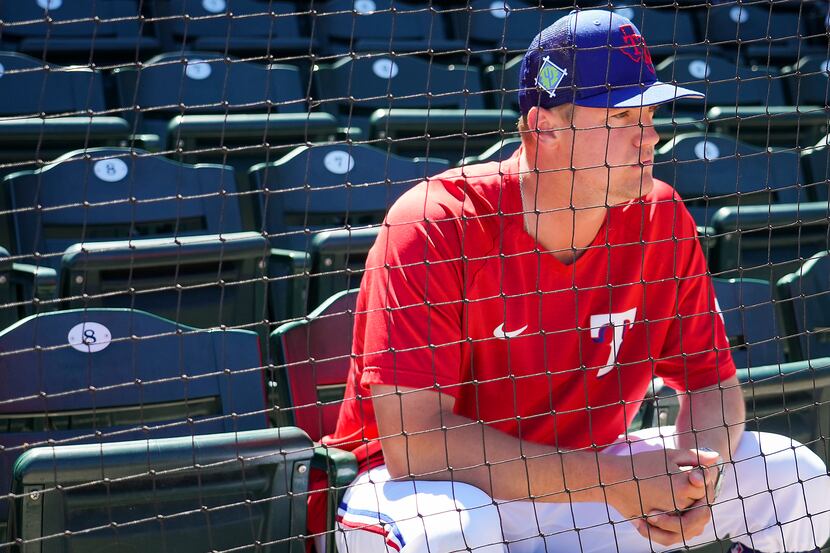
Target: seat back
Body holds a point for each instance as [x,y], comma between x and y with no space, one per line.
[343,26]
[499,151]
[89,19]
[805,294]
[327,187]
[761,31]
[29,87]
[353,86]
[711,170]
[725,82]
[205,281]
[100,375]
[208,23]
[511,25]
[807,81]
[204,82]
[312,356]
[816,162]
[117,194]
[749,316]
[8,296]
[230,491]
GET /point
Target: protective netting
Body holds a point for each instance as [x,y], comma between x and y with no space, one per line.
[191,189]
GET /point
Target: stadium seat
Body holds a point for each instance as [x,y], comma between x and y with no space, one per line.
[765,33]
[207,103]
[273,29]
[816,163]
[806,86]
[138,230]
[312,357]
[321,188]
[805,298]
[391,27]
[767,241]
[47,109]
[500,30]
[312,360]
[712,170]
[235,491]
[744,102]
[416,107]
[23,289]
[499,151]
[789,398]
[78,31]
[99,375]
[748,312]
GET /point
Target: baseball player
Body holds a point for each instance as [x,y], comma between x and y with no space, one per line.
[510,320]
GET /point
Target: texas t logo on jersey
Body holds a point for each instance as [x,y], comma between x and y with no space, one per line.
[636,49]
[613,325]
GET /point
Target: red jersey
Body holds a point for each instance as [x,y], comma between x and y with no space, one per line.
[458,297]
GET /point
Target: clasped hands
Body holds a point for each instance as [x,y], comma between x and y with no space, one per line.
[670,500]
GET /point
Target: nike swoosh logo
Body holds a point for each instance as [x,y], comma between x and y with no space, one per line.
[500,333]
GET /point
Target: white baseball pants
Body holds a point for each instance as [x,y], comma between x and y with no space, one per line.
[775,497]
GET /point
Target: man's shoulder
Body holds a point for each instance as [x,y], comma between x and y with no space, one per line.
[457,192]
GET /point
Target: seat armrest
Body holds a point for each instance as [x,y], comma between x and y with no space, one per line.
[35,282]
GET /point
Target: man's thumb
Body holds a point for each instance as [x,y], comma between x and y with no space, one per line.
[696,457]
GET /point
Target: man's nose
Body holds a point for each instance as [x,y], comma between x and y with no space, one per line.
[647,137]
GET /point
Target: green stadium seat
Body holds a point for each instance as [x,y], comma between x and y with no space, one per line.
[344,27]
[400,101]
[77,31]
[499,30]
[322,188]
[767,241]
[746,102]
[766,33]
[748,311]
[805,298]
[214,106]
[497,152]
[104,375]
[815,161]
[22,289]
[261,28]
[139,230]
[712,170]
[236,491]
[789,398]
[47,109]
[312,357]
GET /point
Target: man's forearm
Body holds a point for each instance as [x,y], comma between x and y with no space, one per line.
[459,449]
[713,418]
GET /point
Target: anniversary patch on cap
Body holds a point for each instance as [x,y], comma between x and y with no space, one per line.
[550,76]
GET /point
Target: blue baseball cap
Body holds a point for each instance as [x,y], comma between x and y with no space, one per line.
[592,58]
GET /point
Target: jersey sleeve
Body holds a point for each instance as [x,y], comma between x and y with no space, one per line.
[696,352]
[411,301]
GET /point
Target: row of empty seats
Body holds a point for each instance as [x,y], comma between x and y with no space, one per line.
[209,107]
[125,29]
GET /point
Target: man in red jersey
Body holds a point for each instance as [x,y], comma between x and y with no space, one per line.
[510,320]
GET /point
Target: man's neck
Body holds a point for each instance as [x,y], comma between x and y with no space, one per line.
[552,221]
